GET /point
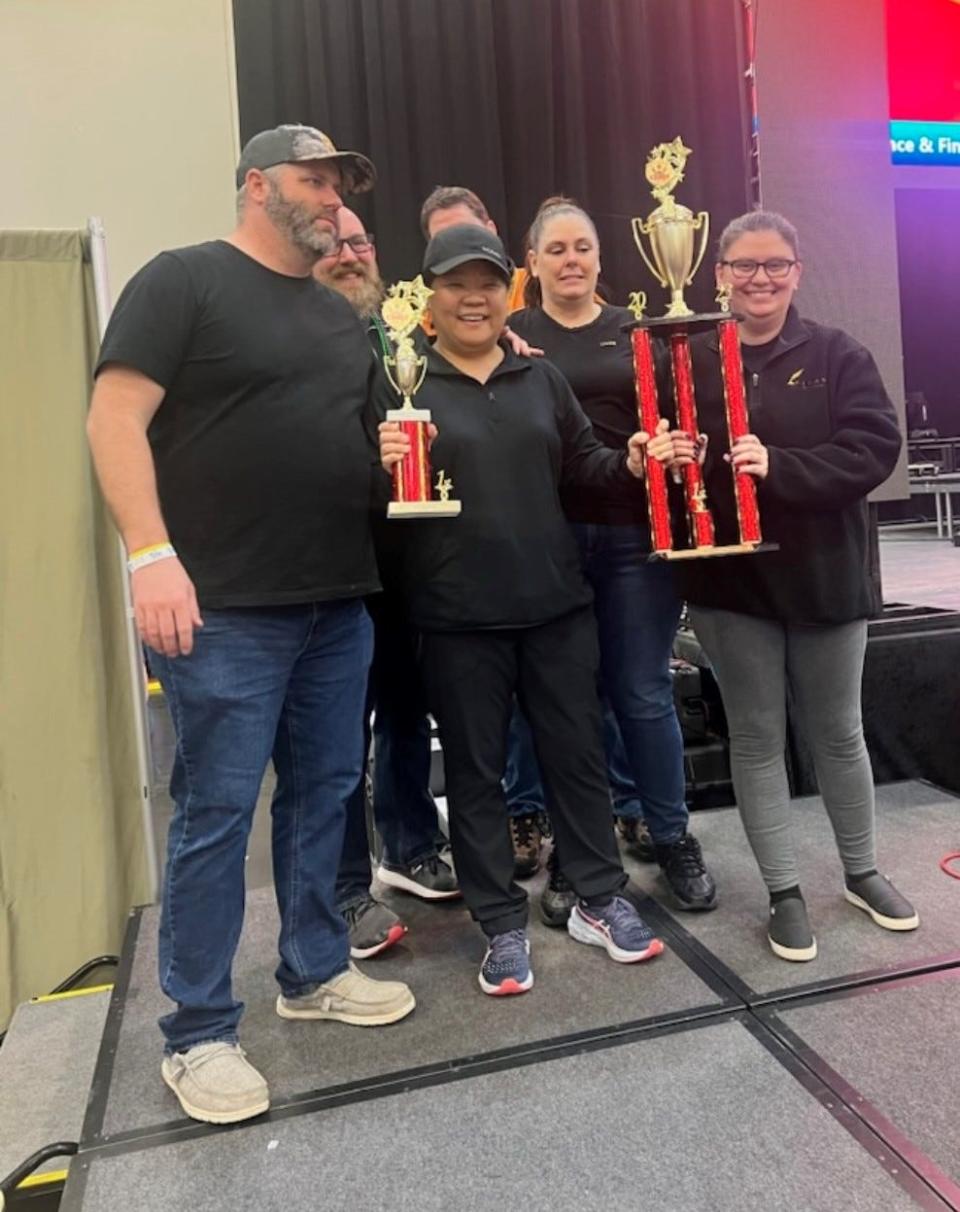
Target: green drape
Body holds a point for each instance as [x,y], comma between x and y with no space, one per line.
[72,858]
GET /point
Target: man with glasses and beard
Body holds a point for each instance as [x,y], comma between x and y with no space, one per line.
[404,809]
[226,431]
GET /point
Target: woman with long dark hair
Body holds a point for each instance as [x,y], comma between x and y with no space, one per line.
[635,602]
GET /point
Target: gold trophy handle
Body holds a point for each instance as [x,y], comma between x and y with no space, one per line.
[420,377]
[703,222]
[640,229]
[389,365]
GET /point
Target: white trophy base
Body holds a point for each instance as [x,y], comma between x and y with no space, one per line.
[408,414]
[423,509]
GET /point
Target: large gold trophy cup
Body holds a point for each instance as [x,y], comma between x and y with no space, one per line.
[671,228]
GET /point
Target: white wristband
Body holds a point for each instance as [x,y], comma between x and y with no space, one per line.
[150,555]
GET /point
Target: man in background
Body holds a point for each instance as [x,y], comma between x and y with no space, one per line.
[449,205]
[404,809]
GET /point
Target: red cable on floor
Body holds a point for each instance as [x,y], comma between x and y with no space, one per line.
[945,864]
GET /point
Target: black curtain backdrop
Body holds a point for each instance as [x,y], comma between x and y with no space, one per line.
[517,99]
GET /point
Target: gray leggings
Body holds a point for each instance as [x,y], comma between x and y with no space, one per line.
[753,660]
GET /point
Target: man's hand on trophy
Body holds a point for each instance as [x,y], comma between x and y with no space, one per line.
[522,348]
[394,443]
[641,446]
[749,455]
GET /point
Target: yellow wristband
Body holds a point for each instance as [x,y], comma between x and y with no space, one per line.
[142,551]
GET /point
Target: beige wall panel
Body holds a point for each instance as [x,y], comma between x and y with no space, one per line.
[124,109]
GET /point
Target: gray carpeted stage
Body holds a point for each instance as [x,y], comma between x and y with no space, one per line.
[714,1077]
[692,1120]
[917,825]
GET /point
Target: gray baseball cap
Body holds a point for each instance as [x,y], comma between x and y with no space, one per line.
[292,144]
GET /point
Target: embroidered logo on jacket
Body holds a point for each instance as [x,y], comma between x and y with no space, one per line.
[797,380]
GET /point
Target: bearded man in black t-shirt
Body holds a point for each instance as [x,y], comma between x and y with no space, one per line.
[226,432]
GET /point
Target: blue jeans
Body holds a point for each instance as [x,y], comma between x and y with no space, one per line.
[637,611]
[287,682]
[521,780]
[403,808]
[623,789]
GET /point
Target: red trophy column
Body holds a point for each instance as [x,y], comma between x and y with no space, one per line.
[700,518]
[411,476]
[738,424]
[658,505]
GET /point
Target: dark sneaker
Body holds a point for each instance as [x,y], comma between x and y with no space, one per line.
[789,931]
[874,894]
[216,1083]
[558,897]
[633,832]
[431,878]
[350,997]
[683,866]
[373,928]
[527,838]
[617,927]
[506,966]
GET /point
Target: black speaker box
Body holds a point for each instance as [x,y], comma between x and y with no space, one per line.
[911,700]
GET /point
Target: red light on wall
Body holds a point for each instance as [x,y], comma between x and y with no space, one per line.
[923,59]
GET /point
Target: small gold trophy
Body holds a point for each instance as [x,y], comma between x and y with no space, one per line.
[670,227]
[402,312]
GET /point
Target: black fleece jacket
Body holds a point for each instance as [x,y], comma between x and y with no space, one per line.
[820,408]
[509,559]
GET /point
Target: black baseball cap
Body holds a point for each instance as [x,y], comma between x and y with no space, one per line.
[464,242]
[292,144]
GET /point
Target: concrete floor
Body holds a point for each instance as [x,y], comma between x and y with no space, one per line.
[920,570]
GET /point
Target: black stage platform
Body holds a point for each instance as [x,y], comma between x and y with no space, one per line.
[715,1077]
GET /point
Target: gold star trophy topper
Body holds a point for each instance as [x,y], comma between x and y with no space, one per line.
[402,311]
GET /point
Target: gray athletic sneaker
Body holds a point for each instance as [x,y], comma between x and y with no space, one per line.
[874,894]
[789,931]
[216,1083]
[351,997]
[373,928]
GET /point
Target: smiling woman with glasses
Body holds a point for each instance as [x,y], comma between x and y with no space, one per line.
[824,435]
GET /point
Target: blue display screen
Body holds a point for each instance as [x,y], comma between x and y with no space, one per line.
[935,143]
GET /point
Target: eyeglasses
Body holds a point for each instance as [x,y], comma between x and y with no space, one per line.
[743,271]
[360,244]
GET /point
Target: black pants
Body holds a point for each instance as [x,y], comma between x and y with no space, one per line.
[471,678]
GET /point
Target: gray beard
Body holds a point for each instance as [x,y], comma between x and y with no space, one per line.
[292,220]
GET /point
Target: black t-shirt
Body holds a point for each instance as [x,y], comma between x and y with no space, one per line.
[596,359]
[509,559]
[263,464]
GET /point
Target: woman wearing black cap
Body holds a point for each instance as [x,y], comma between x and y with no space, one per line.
[503,608]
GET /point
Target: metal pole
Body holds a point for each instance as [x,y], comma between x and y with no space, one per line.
[749,16]
[101,285]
